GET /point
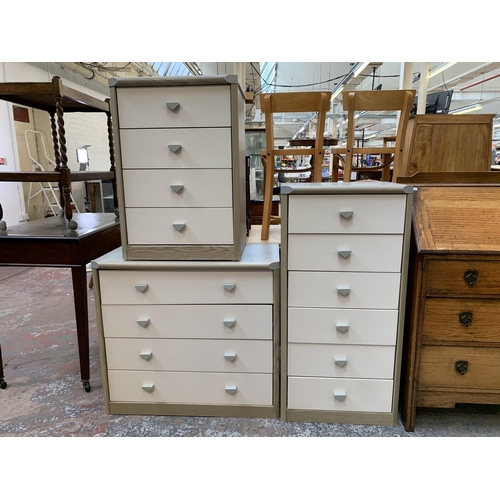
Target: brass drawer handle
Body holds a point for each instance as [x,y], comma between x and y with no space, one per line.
[470,277]
[462,366]
[465,318]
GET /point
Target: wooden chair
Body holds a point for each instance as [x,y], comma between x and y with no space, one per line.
[373,100]
[290,102]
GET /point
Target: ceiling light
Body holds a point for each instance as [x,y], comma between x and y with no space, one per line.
[466,109]
[439,68]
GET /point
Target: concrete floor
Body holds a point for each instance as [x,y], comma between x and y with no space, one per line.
[45,397]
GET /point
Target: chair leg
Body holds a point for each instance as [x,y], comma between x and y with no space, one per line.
[268,202]
[348,167]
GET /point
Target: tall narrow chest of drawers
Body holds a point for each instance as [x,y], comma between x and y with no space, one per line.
[343,281]
[180,167]
[452,347]
[190,338]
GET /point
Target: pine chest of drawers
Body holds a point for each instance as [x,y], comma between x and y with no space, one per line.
[190,338]
[343,280]
[180,167]
[452,347]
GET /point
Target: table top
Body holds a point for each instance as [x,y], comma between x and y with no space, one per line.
[57,227]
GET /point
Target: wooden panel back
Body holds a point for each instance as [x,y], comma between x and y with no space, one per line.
[448,143]
[289,102]
[377,100]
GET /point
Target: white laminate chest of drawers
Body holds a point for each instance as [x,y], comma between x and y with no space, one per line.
[344,251]
[190,337]
[180,167]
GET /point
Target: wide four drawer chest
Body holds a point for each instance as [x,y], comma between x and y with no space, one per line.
[343,282]
[190,337]
[452,343]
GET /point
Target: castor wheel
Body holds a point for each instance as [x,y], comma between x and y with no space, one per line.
[72,224]
[3,225]
[3,384]
[86,386]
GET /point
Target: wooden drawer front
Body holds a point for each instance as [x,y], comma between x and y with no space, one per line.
[370,214]
[307,393]
[461,320]
[342,326]
[204,106]
[191,355]
[199,148]
[438,367]
[349,252]
[359,361]
[366,290]
[191,387]
[197,226]
[186,287]
[178,188]
[188,321]
[448,277]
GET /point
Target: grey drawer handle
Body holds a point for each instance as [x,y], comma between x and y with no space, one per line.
[143,322]
[230,356]
[174,147]
[141,288]
[229,322]
[179,226]
[172,106]
[148,387]
[230,389]
[229,286]
[341,361]
[343,290]
[346,214]
[344,253]
[339,395]
[176,188]
[342,327]
[147,355]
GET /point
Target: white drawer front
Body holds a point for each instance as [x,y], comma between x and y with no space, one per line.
[191,388]
[345,252]
[188,321]
[307,393]
[358,361]
[179,226]
[192,355]
[342,326]
[176,148]
[186,287]
[370,214]
[194,188]
[362,290]
[204,106]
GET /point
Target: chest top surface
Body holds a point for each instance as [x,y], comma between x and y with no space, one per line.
[457,219]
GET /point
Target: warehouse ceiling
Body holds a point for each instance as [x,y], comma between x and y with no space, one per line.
[474,85]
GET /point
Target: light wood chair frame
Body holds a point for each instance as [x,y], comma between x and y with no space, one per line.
[290,102]
[374,100]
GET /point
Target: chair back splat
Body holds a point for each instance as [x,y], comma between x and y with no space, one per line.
[290,102]
[374,100]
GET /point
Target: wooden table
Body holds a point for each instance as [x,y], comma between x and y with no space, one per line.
[50,243]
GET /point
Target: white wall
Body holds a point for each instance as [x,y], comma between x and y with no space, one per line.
[81,129]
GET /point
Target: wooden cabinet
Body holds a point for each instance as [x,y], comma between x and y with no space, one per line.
[343,284]
[452,348]
[190,338]
[448,143]
[181,167]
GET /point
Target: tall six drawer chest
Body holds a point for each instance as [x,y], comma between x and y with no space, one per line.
[190,337]
[344,251]
[452,345]
[180,166]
